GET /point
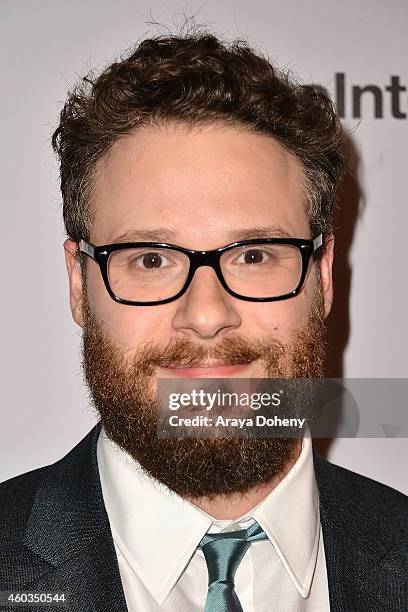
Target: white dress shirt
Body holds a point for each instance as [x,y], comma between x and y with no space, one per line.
[156,533]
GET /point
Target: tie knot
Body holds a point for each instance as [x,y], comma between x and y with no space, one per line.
[254,532]
[224,551]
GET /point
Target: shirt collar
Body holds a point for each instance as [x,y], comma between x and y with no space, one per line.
[157,531]
[289,515]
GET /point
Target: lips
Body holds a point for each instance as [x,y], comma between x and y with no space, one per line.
[209,369]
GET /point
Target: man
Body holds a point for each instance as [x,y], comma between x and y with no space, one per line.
[198,185]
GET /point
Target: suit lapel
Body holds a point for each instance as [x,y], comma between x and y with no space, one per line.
[69,529]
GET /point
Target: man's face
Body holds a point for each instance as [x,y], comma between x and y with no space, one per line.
[199,189]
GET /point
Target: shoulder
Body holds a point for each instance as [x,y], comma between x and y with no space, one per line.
[52,482]
[347,481]
[38,509]
[343,491]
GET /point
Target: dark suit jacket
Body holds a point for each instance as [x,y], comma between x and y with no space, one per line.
[55,536]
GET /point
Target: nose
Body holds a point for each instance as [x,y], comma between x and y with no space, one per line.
[206,309]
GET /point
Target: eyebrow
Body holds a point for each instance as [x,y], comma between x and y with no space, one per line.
[159,234]
[169,235]
[262,231]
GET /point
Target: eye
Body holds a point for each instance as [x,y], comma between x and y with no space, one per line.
[254,256]
[151,261]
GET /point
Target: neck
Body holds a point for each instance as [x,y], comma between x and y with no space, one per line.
[231,507]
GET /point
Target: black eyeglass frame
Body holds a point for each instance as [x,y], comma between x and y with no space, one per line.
[100,254]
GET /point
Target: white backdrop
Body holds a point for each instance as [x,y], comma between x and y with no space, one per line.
[45,46]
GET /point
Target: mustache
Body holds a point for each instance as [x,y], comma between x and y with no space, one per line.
[180,352]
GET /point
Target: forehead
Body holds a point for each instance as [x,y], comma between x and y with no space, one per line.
[200,184]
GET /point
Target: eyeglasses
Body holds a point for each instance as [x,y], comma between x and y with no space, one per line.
[151,273]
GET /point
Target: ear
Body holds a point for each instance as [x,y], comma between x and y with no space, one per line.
[326,273]
[75,280]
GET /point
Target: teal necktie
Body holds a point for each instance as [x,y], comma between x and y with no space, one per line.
[223,553]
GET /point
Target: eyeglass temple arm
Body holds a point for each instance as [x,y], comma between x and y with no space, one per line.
[317,242]
[87,248]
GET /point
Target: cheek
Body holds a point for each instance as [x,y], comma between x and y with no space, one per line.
[300,306]
[281,319]
[128,326]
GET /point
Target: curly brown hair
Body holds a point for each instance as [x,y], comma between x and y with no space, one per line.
[196,79]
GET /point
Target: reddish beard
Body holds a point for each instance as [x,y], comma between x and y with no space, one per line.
[193,467]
